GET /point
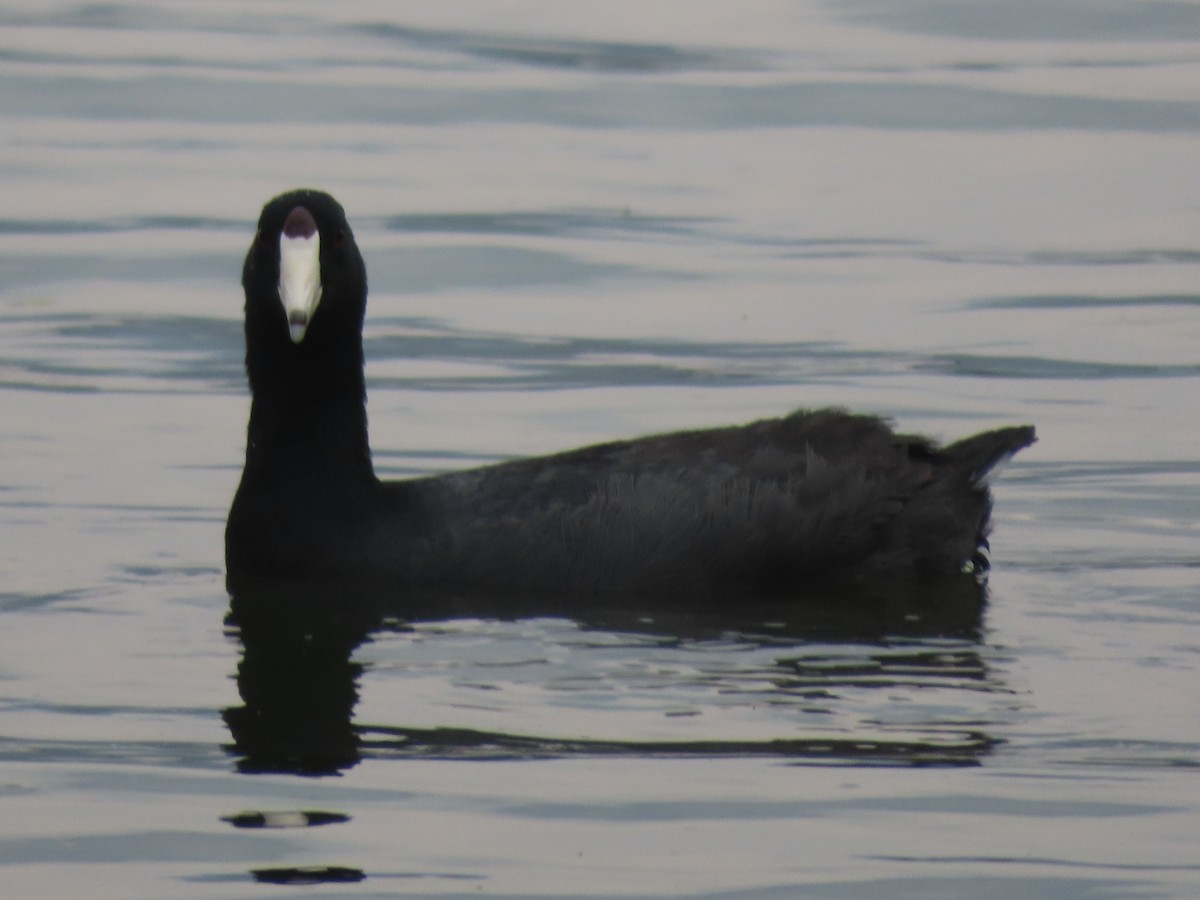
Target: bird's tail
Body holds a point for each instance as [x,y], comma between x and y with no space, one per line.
[980,454]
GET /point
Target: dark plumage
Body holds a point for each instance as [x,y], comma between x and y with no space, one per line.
[780,505]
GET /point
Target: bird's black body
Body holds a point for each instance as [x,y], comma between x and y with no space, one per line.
[779,505]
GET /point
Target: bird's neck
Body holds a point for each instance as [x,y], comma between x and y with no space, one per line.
[310,419]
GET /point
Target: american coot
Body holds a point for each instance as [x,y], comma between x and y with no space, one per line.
[777,506]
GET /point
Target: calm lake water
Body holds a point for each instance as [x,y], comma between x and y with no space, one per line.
[584,222]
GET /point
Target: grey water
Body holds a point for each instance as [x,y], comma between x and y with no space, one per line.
[585,222]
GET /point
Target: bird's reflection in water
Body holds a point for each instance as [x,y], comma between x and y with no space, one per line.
[299,681]
[297,678]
